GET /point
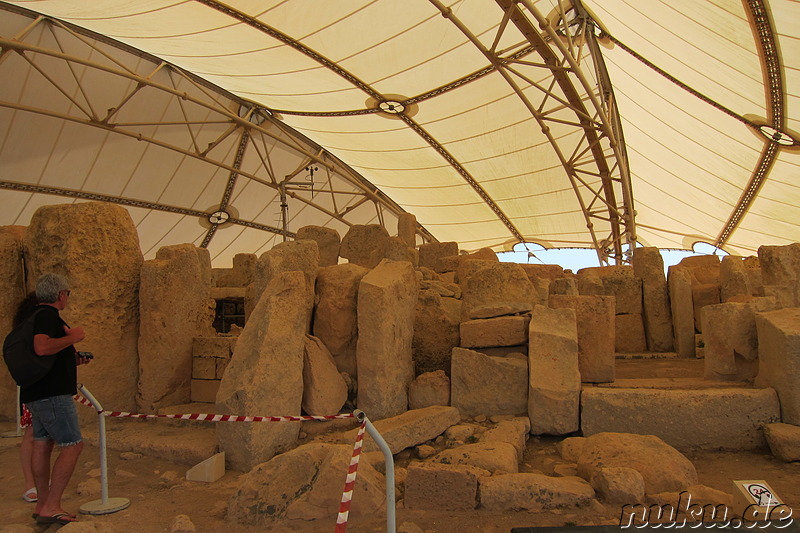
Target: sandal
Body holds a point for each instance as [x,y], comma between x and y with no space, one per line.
[59,518]
[30,495]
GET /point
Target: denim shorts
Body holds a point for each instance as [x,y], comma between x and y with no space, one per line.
[56,419]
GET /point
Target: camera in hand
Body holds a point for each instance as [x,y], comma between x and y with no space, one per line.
[86,355]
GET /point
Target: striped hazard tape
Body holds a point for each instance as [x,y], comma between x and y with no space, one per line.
[350,481]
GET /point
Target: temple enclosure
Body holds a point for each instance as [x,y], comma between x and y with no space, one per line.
[505,389]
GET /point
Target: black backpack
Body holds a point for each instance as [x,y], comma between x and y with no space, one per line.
[24,365]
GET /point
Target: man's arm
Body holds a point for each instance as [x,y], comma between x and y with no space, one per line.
[46,345]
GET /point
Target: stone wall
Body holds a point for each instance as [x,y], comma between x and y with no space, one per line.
[12,292]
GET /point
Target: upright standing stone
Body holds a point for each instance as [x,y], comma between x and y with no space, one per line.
[779,358]
[324,389]
[336,318]
[95,245]
[780,265]
[595,322]
[12,292]
[265,375]
[485,385]
[283,257]
[554,380]
[387,298]
[733,278]
[365,245]
[328,242]
[680,297]
[648,265]
[407,229]
[436,331]
[174,308]
[431,253]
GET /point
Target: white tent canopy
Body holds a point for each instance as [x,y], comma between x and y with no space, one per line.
[567,124]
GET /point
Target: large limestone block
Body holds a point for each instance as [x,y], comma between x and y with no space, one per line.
[618,281]
[287,256]
[96,246]
[497,285]
[537,271]
[430,388]
[618,484]
[731,339]
[554,379]
[784,441]
[779,358]
[265,375]
[733,278]
[629,334]
[336,317]
[451,263]
[387,298]
[680,299]
[484,385]
[431,253]
[324,389]
[438,487]
[244,268]
[704,269]
[12,292]
[648,265]
[533,492]
[407,229]
[174,308]
[410,428]
[436,331]
[780,265]
[514,431]
[499,331]
[663,467]
[328,242]
[364,245]
[305,484]
[724,418]
[397,250]
[494,457]
[703,295]
[595,321]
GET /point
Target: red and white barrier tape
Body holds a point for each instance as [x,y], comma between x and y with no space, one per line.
[350,481]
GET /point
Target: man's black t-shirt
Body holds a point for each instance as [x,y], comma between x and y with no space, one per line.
[63,377]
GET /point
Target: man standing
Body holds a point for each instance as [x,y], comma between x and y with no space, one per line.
[55,419]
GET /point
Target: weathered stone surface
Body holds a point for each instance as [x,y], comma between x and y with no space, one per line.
[387,298]
[554,381]
[174,308]
[430,388]
[500,331]
[680,298]
[629,334]
[430,253]
[618,281]
[483,385]
[595,321]
[498,284]
[407,229]
[265,375]
[495,457]
[784,441]
[328,243]
[436,331]
[12,292]
[302,256]
[335,317]
[618,484]
[699,502]
[435,487]
[648,265]
[397,250]
[305,484]
[780,265]
[663,467]
[451,263]
[731,339]
[734,280]
[324,389]
[533,492]
[779,358]
[549,272]
[364,244]
[725,418]
[95,245]
[703,295]
[442,288]
[410,428]
[571,448]
[514,431]
[240,276]
[564,286]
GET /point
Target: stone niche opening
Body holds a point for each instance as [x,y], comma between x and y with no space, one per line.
[229,311]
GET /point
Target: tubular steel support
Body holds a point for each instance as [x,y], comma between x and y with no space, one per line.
[361,416]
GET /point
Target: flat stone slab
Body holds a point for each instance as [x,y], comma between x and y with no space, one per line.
[410,428]
[671,383]
[724,418]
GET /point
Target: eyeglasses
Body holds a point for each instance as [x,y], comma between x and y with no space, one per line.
[67,292]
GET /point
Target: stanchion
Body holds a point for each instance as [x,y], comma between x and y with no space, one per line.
[361,416]
[18,432]
[104,505]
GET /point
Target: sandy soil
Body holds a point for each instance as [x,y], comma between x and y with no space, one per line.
[158,493]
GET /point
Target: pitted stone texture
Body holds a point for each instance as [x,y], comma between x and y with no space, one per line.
[324,389]
[328,242]
[484,385]
[784,441]
[265,375]
[430,388]
[536,271]
[595,321]
[780,265]
[554,379]
[397,250]
[779,358]
[436,330]
[289,256]
[725,418]
[570,449]
[629,334]
[533,492]
[734,279]
[491,332]
[495,457]
[514,431]
[96,246]
[410,428]
[703,295]
[407,229]
[12,292]
[438,487]
[648,265]
[731,340]
[618,484]
[618,281]
[305,484]
[499,284]
[387,298]
[680,298]
[364,245]
[564,286]
[663,467]
[174,308]
[451,263]
[431,253]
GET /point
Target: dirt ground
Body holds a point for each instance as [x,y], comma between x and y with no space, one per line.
[158,493]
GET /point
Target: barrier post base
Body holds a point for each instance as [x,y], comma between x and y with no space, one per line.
[112,505]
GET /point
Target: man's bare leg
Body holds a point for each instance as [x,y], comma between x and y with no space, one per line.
[63,467]
[40,463]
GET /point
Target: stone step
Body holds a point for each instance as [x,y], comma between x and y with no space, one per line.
[646,355]
[658,368]
[695,383]
[727,418]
